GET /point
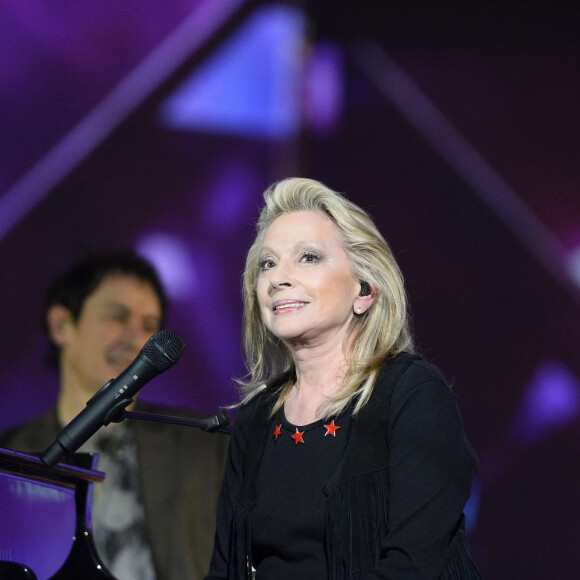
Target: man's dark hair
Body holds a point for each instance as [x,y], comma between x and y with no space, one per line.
[75,285]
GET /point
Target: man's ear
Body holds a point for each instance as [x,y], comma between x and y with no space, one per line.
[58,323]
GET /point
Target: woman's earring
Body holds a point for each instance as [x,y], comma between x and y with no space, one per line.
[359,310]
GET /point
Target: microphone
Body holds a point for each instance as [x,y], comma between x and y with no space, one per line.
[160,352]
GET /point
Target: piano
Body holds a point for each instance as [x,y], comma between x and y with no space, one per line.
[45,519]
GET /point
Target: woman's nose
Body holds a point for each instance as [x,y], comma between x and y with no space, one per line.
[281,276]
[280,283]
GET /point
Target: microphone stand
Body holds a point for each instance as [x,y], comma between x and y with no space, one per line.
[53,454]
[211,424]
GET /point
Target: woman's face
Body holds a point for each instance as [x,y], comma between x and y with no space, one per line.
[306,289]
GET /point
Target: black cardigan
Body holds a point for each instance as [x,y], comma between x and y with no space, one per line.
[394,506]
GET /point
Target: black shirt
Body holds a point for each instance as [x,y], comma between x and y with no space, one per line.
[288,522]
[394,504]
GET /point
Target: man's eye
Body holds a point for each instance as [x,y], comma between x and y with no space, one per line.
[118,316]
[151,327]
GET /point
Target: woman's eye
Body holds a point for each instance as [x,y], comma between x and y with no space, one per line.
[266,264]
[310,258]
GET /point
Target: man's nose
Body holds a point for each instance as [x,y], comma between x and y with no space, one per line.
[136,333]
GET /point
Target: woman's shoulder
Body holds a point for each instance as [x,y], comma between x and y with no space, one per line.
[265,395]
[408,363]
[407,372]
[257,406]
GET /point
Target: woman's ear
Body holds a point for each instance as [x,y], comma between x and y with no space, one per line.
[58,322]
[365,288]
[365,298]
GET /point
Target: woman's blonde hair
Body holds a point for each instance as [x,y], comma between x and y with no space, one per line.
[382,331]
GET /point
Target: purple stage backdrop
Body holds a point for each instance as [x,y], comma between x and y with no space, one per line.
[157,126]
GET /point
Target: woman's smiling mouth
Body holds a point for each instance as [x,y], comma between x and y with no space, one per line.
[283,306]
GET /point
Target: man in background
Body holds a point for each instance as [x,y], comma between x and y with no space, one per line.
[154,515]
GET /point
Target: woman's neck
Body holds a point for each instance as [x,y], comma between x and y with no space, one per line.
[319,375]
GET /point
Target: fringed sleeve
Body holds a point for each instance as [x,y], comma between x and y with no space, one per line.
[240,545]
[232,540]
[459,564]
[395,508]
[356,520]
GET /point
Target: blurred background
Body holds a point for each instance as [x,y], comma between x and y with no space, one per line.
[156,125]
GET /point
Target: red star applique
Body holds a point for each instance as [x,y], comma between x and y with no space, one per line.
[331,429]
[277,431]
[298,436]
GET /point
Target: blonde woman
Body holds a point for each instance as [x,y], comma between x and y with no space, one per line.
[348,458]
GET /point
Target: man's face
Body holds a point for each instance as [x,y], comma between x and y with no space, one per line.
[115,322]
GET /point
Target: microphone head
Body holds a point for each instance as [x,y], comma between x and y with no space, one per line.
[164,349]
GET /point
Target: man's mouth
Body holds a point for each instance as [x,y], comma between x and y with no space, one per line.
[121,360]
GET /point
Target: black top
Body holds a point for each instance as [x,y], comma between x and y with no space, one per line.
[393,507]
[287,525]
